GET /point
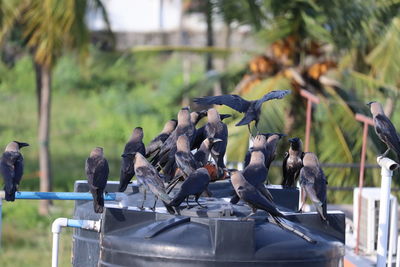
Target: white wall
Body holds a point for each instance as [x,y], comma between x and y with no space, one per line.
[138,15]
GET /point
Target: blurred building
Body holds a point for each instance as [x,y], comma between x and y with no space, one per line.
[162,22]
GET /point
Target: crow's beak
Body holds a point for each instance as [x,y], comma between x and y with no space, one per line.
[21,144]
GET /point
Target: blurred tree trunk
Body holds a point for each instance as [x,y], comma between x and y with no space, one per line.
[38,82]
[44,90]
[227,43]
[210,36]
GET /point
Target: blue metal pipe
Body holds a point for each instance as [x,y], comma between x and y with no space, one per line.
[75,223]
[61,195]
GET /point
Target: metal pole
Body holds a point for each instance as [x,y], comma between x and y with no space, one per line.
[62,195]
[361,183]
[367,121]
[310,99]
[387,167]
[308,125]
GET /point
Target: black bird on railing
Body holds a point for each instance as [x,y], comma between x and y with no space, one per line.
[12,168]
[97,170]
[385,129]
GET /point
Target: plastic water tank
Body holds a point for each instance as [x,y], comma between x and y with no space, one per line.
[216,236]
[137,238]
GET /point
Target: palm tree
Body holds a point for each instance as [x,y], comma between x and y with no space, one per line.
[47,28]
[309,43]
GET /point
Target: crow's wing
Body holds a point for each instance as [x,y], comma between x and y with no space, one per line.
[284,168]
[198,137]
[186,162]
[276,94]
[320,186]
[151,178]
[19,168]
[7,170]
[133,146]
[232,101]
[101,174]
[255,198]
[156,144]
[248,118]
[196,183]
[386,131]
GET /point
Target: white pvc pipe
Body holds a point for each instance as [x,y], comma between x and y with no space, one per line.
[387,167]
[393,231]
[398,252]
[64,222]
[54,254]
[1,218]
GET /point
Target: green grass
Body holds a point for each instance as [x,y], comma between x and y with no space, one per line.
[27,237]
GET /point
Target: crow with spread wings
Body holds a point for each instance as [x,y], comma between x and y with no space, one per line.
[252,109]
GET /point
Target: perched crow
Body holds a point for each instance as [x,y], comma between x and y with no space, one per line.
[249,194]
[313,184]
[96,169]
[185,161]
[385,130]
[202,154]
[134,145]
[267,146]
[256,174]
[216,129]
[188,163]
[195,184]
[292,163]
[12,168]
[166,157]
[149,178]
[252,109]
[201,134]
[154,146]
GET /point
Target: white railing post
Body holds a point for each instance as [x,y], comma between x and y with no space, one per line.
[398,252]
[387,168]
[393,230]
[1,218]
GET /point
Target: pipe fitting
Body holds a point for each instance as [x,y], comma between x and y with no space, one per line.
[58,223]
[387,163]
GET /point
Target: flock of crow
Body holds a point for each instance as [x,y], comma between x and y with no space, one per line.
[169,159]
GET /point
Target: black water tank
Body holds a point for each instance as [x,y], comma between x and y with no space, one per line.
[86,248]
[212,237]
[137,238]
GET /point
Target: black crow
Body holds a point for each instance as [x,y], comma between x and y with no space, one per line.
[134,145]
[292,163]
[12,168]
[313,184]
[252,109]
[97,170]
